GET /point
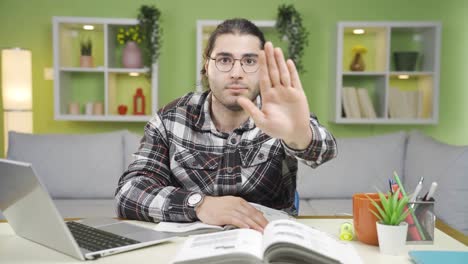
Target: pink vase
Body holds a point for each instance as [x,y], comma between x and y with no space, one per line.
[131,55]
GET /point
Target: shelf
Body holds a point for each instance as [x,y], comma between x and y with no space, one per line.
[107,118]
[107,84]
[411,73]
[128,70]
[81,69]
[363,73]
[381,94]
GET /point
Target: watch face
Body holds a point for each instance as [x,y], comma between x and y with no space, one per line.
[194,199]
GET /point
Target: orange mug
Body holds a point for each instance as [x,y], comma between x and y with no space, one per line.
[364,220]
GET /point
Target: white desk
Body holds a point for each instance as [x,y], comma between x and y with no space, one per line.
[14,249]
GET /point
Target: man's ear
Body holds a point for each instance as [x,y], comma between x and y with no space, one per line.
[206,67]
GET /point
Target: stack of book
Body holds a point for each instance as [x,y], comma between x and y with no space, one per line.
[407,104]
[357,103]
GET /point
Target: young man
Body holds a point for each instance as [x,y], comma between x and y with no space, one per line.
[205,156]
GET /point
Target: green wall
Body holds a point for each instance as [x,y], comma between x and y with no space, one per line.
[28,24]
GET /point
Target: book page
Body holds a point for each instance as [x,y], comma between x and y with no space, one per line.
[270,213]
[237,242]
[300,235]
[185,227]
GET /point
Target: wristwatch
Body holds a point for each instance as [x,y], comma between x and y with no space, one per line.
[195,199]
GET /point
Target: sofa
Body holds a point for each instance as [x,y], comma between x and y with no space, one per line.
[81,171]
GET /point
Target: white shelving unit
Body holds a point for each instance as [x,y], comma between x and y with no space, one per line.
[107,82]
[379,77]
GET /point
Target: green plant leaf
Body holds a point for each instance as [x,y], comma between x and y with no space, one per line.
[376,205]
[376,215]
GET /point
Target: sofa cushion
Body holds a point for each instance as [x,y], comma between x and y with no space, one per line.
[131,145]
[362,165]
[72,166]
[448,166]
[326,207]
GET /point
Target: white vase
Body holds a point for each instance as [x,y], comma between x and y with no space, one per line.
[392,239]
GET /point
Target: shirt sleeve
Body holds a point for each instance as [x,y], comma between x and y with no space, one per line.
[147,191]
[322,147]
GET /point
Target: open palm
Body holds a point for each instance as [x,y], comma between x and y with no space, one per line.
[285,112]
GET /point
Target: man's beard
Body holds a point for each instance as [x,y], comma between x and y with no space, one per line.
[235,107]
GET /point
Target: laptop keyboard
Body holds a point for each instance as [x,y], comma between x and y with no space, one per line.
[93,239]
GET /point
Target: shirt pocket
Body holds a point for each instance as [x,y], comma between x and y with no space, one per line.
[198,160]
[255,155]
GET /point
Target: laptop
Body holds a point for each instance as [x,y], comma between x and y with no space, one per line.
[30,211]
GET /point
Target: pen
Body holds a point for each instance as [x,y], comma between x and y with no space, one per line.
[418,234]
[431,192]
[416,191]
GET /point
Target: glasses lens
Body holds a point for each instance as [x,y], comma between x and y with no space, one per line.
[224,63]
[249,64]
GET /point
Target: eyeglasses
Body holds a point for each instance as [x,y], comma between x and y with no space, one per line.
[225,63]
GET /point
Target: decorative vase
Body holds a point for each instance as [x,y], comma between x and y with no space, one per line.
[358,63]
[405,60]
[139,102]
[392,239]
[86,61]
[131,55]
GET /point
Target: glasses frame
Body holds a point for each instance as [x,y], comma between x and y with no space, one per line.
[233,63]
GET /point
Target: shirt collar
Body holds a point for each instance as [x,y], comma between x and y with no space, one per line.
[205,121]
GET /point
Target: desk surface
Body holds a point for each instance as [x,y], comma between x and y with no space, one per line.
[14,249]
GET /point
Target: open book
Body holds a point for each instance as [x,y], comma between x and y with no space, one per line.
[283,241]
[199,227]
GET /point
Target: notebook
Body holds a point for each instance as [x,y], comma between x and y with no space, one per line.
[437,257]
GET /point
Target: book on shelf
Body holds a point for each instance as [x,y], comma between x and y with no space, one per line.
[350,102]
[365,103]
[199,228]
[405,104]
[283,241]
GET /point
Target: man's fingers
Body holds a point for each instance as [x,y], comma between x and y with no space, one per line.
[236,221]
[283,69]
[264,77]
[251,109]
[255,214]
[248,218]
[271,62]
[295,80]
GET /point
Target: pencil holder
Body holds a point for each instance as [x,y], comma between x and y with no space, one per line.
[421,222]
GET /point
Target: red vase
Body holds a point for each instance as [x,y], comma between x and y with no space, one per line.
[139,102]
[131,55]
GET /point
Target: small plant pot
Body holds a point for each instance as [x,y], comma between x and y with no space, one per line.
[392,239]
[405,60]
[86,61]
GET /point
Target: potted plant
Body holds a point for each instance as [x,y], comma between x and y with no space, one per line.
[130,37]
[151,30]
[290,28]
[391,227]
[86,59]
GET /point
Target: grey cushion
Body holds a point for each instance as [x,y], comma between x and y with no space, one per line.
[362,165]
[448,166]
[131,145]
[335,207]
[72,166]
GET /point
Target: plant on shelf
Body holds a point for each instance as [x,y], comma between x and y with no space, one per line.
[289,25]
[86,47]
[131,54]
[391,228]
[357,64]
[129,34]
[149,21]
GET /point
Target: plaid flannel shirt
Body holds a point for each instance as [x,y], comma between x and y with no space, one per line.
[182,153]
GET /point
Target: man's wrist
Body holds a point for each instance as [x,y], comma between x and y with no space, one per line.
[300,142]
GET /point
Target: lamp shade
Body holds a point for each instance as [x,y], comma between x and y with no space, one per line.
[16,79]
